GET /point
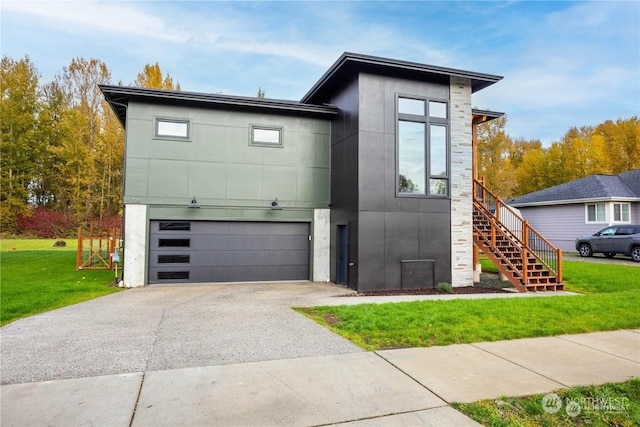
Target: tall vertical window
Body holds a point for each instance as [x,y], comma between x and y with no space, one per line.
[423,147]
[596,212]
[411,148]
[621,212]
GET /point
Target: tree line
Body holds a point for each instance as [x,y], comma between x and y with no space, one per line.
[513,167]
[62,147]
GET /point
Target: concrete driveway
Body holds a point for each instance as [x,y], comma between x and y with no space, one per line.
[169,327]
[238,355]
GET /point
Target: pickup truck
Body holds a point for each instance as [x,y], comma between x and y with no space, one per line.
[617,239]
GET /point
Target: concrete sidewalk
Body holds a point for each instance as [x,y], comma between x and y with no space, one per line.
[394,387]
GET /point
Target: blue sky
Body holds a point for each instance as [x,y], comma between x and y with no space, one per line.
[565,63]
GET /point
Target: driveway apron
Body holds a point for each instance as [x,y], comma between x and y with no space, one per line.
[168,327]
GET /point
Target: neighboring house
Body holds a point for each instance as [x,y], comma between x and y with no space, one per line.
[367,181]
[567,211]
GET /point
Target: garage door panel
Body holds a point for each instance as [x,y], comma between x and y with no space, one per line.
[250,228]
[227,274]
[250,274]
[209,251]
[249,243]
[230,258]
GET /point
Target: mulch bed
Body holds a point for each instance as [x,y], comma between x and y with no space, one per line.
[489,284]
[431,291]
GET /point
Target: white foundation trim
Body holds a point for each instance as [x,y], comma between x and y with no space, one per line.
[321,245]
[135,245]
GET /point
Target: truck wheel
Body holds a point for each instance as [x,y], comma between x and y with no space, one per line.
[585,250]
[635,254]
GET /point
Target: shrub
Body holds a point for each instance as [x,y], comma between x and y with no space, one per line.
[444,287]
[45,223]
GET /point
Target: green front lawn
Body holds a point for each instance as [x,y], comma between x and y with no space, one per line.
[605,405]
[36,277]
[610,301]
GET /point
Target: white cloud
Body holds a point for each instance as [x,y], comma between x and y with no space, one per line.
[122,19]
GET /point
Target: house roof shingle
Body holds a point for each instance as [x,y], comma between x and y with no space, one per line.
[594,187]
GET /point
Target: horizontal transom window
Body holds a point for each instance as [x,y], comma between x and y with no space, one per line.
[269,136]
[172,128]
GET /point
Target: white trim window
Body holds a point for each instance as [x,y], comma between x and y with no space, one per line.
[266,136]
[596,212]
[621,212]
[172,128]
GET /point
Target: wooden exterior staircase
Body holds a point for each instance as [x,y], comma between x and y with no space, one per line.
[528,260]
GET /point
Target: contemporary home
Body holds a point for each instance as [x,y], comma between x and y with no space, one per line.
[585,206]
[367,181]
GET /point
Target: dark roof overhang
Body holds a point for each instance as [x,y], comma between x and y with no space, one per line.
[119,97]
[482,116]
[350,64]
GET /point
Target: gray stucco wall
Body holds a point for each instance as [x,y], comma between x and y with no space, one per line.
[220,168]
[384,229]
[231,180]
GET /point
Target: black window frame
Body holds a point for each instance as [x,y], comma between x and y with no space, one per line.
[428,121]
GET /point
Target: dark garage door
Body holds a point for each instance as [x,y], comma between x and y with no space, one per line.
[209,251]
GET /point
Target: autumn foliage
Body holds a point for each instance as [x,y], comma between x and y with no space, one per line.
[62,147]
[515,167]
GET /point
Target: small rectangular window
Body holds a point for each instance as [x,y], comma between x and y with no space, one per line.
[438,109]
[266,136]
[169,243]
[411,106]
[596,213]
[172,128]
[175,226]
[168,275]
[173,259]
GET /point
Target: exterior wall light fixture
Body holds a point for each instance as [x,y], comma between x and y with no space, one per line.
[275,206]
[194,203]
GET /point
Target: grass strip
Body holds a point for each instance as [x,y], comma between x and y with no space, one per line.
[35,280]
[429,323]
[605,405]
[612,301]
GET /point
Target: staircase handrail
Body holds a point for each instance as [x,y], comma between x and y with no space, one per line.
[544,251]
[504,232]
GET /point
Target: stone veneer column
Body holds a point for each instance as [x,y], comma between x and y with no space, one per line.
[135,245]
[461,183]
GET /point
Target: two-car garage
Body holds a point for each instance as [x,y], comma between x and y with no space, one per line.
[219,251]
